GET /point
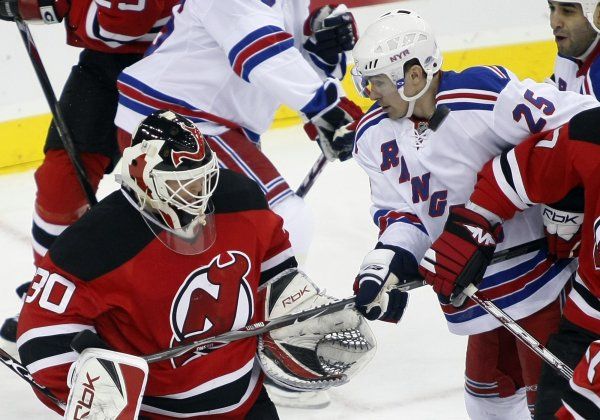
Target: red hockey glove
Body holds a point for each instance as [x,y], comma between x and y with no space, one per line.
[563,231]
[329,31]
[46,11]
[334,129]
[461,254]
[581,399]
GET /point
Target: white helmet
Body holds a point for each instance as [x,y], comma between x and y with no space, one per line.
[388,44]
[588,7]
[172,172]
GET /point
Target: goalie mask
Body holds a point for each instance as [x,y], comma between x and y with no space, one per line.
[393,40]
[171,172]
[590,8]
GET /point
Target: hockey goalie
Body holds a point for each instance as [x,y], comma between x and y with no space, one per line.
[311,354]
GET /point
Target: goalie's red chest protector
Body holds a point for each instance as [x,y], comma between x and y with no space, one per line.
[142,298]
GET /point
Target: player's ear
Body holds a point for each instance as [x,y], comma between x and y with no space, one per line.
[415,74]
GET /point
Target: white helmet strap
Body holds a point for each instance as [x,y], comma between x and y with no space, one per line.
[413,99]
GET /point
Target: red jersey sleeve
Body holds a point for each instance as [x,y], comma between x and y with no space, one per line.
[519,178]
[119,26]
[56,308]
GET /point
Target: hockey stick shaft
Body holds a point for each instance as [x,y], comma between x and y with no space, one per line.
[14,365]
[59,122]
[312,175]
[251,330]
[514,328]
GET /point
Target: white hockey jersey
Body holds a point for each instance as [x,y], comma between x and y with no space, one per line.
[417,173]
[581,76]
[225,64]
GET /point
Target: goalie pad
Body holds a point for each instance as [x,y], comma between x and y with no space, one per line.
[317,353]
[106,384]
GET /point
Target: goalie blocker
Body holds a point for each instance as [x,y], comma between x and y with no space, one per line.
[317,353]
[106,384]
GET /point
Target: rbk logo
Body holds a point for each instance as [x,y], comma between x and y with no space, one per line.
[197,155]
[479,236]
[562,217]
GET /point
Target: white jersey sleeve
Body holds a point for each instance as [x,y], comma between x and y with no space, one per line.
[261,40]
[398,224]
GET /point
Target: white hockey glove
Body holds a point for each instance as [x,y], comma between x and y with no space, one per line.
[317,353]
[563,231]
[374,287]
[106,384]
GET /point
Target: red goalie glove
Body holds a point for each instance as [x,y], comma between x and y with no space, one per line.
[461,254]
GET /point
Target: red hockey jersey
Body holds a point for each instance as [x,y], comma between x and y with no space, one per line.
[116,26]
[108,273]
[542,170]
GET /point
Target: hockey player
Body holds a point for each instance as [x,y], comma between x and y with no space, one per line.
[229,65]
[541,169]
[113,35]
[575,24]
[421,145]
[177,255]
[576,69]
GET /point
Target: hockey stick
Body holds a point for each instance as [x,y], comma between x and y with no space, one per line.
[87,338]
[514,328]
[502,317]
[14,365]
[59,122]
[310,178]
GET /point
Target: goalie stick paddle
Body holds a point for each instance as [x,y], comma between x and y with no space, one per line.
[311,177]
[14,365]
[59,122]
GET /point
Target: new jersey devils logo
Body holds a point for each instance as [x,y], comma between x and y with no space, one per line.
[597,244]
[214,299]
[196,155]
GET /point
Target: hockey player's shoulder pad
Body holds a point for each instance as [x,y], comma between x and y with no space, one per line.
[107,236]
[372,118]
[236,192]
[584,126]
[480,78]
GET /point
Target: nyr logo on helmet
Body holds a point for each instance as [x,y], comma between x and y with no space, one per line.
[597,244]
[178,155]
[213,299]
[399,56]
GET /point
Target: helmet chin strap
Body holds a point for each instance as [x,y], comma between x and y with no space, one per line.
[412,100]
